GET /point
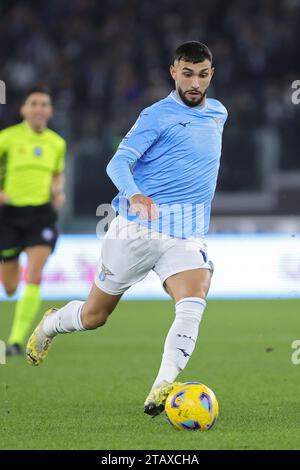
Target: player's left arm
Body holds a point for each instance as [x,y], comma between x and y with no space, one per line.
[58,179]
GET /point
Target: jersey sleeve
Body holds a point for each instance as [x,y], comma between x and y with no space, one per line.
[61,154]
[119,170]
[137,141]
[143,133]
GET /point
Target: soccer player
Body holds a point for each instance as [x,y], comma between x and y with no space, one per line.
[166,171]
[31,191]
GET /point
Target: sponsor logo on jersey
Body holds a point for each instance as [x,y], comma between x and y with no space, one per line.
[220,123]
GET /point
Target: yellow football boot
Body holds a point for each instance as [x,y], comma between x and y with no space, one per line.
[155,401]
[39,343]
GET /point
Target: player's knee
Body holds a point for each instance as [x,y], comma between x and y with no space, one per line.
[200,292]
[201,289]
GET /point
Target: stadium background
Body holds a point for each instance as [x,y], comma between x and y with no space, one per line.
[104,61]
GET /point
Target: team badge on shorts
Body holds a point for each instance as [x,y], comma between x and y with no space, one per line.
[104,272]
[47,234]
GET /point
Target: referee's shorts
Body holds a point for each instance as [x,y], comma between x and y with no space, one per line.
[22,227]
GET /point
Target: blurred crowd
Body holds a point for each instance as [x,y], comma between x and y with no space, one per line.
[107,59]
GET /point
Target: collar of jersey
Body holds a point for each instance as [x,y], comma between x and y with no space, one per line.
[178,100]
[30,130]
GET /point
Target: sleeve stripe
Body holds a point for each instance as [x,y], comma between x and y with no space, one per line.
[131,149]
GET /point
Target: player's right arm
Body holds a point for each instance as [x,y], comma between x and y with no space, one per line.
[137,141]
[3,149]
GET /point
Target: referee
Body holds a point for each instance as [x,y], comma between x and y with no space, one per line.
[31,191]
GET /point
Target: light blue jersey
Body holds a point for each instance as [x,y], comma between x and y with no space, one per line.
[172,154]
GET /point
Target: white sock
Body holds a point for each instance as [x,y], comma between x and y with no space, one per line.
[65,320]
[181,339]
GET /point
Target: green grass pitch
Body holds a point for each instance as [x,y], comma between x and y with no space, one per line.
[90,392]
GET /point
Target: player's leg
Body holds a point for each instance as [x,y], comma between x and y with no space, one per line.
[10,275]
[10,249]
[79,316]
[75,316]
[30,302]
[189,288]
[193,283]
[124,261]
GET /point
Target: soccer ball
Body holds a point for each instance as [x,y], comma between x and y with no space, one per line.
[192,406]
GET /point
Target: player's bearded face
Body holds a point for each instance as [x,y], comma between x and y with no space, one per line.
[191,97]
[192,81]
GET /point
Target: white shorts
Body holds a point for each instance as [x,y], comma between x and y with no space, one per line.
[130,251]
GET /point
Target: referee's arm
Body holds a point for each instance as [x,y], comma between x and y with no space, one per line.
[3,197]
[58,178]
[58,194]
